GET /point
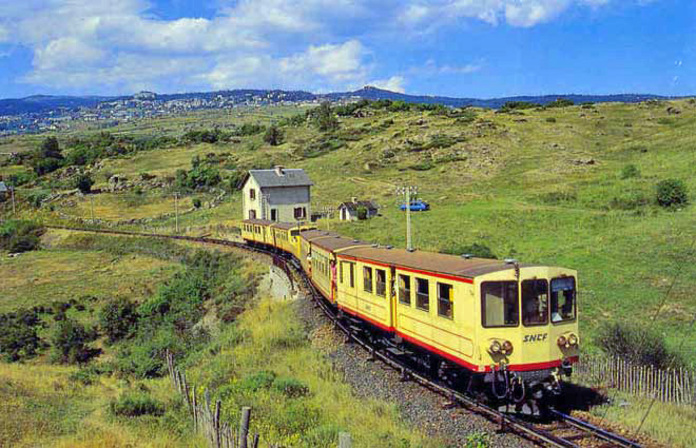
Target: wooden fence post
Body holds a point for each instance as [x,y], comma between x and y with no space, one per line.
[344,440]
[244,426]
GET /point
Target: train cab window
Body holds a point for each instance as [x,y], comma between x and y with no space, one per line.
[444,300]
[535,302]
[405,289]
[563,299]
[367,279]
[422,294]
[500,304]
[381,283]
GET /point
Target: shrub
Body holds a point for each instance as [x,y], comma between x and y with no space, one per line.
[135,404]
[561,102]
[20,236]
[423,166]
[325,118]
[196,203]
[69,341]
[19,339]
[273,136]
[629,171]
[291,387]
[550,119]
[671,193]
[257,381]
[476,249]
[83,182]
[118,319]
[637,344]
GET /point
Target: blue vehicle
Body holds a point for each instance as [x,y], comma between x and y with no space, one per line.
[417,205]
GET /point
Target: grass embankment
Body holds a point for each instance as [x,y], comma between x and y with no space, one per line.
[267,361]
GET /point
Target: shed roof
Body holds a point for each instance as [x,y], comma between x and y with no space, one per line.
[288,178]
[430,261]
[353,205]
[3,187]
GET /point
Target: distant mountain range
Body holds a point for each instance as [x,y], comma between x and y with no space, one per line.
[45,103]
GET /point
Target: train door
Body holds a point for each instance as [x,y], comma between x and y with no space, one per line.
[391,297]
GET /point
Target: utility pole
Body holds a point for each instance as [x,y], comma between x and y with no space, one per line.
[176,212]
[91,207]
[408,191]
[327,211]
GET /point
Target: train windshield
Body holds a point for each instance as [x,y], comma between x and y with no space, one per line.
[563,299]
[500,304]
[535,302]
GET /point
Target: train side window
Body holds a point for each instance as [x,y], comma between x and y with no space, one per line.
[405,289]
[340,271]
[351,273]
[422,294]
[381,284]
[500,304]
[445,300]
[535,302]
[563,298]
[367,279]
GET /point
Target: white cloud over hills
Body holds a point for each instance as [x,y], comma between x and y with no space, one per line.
[308,44]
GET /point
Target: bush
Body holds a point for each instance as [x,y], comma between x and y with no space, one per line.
[475,249]
[671,193]
[20,236]
[19,339]
[637,344]
[118,319]
[630,171]
[550,119]
[135,404]
[325,118]
[273,136]
[83,182]
[197,203]
[69,341]
[362,212]
[561,102]
[291,387]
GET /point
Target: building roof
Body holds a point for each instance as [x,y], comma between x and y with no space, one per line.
[3,187]
[429,261]
[288,178]
[353,205]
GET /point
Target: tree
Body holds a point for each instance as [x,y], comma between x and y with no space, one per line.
[273,136]
[47,158]
[118,319]
[83,182]
[50,148]
[325,117]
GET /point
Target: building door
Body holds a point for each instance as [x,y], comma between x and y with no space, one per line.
[274,214]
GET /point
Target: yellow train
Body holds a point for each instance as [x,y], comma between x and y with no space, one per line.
[512,327]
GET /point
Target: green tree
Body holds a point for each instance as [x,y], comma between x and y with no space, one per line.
[83,182]
[273,136]
[47,158]
[325,118]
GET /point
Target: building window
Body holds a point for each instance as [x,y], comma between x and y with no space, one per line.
[252,194]
[444,300]
[274,214]
[405,289]
[381,285]
[367,279]
[422,294]
[300,213]
[252,214]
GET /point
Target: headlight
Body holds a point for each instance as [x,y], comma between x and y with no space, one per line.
[495,347]
[507,347]
[572,339]
[562,341]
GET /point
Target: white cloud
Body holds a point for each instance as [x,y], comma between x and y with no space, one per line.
[393,84]
[338,62]
[431,68]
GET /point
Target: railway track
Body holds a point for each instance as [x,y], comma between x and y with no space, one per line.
[565,431]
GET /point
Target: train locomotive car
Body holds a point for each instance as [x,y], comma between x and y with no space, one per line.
[505,328]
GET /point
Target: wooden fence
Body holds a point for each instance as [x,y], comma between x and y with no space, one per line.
[672,385]
[206,417]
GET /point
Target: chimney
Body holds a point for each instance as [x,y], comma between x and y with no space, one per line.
[354,200]
[279,170]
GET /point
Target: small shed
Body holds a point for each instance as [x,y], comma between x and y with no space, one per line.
[348,211]
[4,191]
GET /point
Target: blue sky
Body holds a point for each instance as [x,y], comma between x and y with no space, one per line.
[466,48]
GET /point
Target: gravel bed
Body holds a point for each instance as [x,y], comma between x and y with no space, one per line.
[372,379]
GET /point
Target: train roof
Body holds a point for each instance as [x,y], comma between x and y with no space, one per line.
[330,240]
[429,261]
[263,222]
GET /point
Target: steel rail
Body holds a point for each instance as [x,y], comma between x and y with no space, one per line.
[506,420]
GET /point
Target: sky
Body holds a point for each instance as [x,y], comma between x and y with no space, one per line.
[461,48]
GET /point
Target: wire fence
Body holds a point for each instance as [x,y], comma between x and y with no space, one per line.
[667,385]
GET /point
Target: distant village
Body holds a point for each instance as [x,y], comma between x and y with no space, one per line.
[140,105]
